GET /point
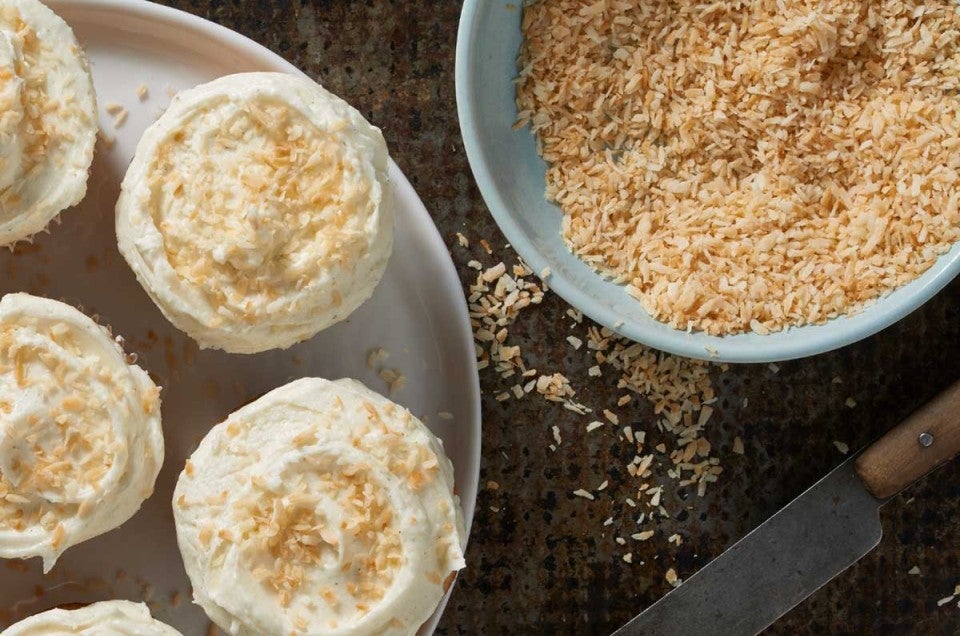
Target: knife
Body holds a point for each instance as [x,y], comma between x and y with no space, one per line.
[818,535]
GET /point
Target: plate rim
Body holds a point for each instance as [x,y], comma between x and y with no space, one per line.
[171,17]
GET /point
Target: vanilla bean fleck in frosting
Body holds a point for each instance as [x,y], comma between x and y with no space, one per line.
[107,618]
[80,436]
[48,119]
[321,507]
[254,211]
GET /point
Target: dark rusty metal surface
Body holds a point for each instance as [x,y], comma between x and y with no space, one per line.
[544,562]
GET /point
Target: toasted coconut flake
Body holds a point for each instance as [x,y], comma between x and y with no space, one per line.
[748,166]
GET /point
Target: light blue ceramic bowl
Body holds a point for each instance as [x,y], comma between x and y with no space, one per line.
[510,175]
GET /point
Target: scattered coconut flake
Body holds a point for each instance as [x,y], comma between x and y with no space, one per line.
[671,577]
[395,380]
[678,389]
[494,272]
[655,498]
[843,448]
[705,413]
[376,356]
[107,140]
[120,118]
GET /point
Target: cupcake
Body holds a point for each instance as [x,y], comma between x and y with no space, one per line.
[254,212]
[321,507]
[108,618]
[80,438]
[48,119]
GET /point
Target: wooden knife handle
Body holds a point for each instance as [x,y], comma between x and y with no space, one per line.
[926,439]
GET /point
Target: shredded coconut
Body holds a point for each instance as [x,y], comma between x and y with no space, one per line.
[748,166]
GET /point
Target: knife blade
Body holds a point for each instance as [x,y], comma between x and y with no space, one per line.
[815,537]
[765,574]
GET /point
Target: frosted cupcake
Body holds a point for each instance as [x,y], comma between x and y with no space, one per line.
[254,211]
[109,618]
[80,438]
[48,119]
[321,507]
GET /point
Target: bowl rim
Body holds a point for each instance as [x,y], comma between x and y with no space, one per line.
[789,344]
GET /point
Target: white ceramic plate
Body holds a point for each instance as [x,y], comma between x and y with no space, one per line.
[418,315]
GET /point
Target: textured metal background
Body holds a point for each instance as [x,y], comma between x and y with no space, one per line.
[543,563]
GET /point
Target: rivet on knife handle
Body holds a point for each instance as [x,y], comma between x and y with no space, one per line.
[919,444]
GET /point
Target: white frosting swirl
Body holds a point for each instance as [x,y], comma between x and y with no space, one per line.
[48,118]
[321,507]
[253,212]
[80,438]
[107,618]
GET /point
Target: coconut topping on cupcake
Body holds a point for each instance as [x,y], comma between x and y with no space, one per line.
[108,618]
[48,119]
[321,507]
[254,211]
[80,437]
